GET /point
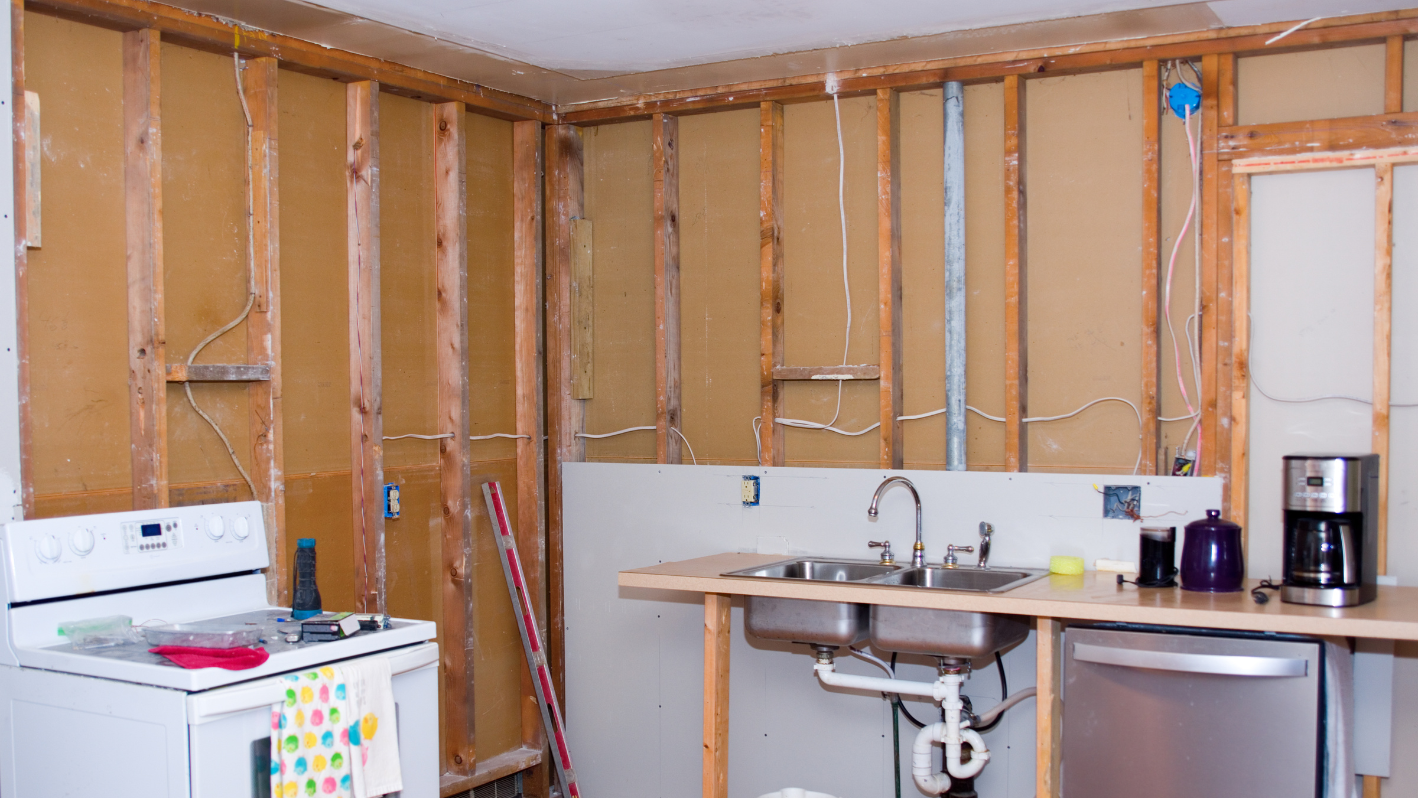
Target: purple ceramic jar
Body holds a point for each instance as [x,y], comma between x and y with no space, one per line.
[1211,555]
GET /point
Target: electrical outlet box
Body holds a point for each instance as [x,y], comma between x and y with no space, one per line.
[750,491]
[1122,501]
[391,501]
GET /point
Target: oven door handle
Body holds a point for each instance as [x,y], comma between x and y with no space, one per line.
[1219,664]
[222,702]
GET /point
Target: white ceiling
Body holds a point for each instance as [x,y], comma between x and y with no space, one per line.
[601,38]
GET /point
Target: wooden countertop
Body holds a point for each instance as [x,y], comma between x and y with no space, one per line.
[1092,596]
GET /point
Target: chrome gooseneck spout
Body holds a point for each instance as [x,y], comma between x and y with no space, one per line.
[918,552]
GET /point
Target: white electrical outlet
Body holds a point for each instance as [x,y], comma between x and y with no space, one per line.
[750,491]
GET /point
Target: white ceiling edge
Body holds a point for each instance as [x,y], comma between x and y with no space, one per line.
[354,34]
[608,38]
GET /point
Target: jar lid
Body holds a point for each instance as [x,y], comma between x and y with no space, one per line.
[1213,520]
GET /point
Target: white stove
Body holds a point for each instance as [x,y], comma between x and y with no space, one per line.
[119,721]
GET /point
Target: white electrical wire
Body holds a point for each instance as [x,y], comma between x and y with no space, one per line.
[251,285]
[692,458]
[831,87]
[1251,320]
[1278,37]
[496,435]
[420,437]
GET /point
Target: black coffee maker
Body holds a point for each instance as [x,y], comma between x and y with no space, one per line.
[1331,529]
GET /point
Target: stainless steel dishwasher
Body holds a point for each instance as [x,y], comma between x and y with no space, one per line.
[1185,713]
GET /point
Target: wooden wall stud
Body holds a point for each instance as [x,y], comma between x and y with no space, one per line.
[1151,261]
[888,249]
[770,276]
[566,416]
[263,325]
[668,401]
[147,340]
[1016,301]
[366,389]
[454,454]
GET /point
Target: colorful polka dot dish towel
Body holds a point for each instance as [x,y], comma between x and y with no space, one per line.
[334,735]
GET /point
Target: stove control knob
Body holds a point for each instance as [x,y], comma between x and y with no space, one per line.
[48,548]
[82,541]
[240,528]
[215,527]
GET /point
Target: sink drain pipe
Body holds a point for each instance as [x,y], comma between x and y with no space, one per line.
[950,733]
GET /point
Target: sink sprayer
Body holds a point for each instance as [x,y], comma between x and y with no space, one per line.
[952,733]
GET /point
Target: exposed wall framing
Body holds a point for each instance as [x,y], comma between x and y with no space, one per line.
[668,402]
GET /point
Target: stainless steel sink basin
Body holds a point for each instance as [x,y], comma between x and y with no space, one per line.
[975,580]
[815,569]
[950,633]
[828,623]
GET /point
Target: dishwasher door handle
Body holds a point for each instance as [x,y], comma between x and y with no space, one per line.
[1223,665]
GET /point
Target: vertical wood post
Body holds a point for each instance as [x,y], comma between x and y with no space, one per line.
[1225,317]
[1218,109]
[1393,75]
[717,625]
[1048,706]
[566,416]
[770,280]
[888,249]
[527,366]
[1241,357]
[263,325]
[22,212]
[668,404]
[1383,341]
[454,455]
[1016,321]
[366,390]
[147,340]
[1151,259]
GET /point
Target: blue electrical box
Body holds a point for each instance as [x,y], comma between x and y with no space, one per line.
[391,501]
[750,491]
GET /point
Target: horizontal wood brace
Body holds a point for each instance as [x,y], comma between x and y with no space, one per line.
[211,372]
[1315,136]
[832,373]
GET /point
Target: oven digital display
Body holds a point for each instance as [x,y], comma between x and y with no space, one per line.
[152,530]
[1316,482]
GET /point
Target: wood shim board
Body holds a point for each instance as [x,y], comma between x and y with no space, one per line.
[1309,162]
[531,637]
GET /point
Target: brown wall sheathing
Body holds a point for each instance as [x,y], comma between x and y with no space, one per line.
[204,255]
[77,281]
[1084,173]
[1320,84]
[719,283]
[984,274]
[923,273]
[315,324]
[497,660]
[620,204]
[814,307]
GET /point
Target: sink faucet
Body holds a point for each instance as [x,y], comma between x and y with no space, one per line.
[887,558]
[986,532]
[918,552]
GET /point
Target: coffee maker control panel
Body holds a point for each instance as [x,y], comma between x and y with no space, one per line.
[1323,484]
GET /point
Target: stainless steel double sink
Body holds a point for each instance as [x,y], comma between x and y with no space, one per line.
[907,630]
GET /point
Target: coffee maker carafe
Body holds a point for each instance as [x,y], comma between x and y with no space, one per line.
[1331,529]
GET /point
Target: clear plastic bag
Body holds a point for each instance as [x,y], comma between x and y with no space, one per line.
[112,630]
[202,635]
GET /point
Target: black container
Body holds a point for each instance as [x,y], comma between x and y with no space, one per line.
[306,596]
[1157,557]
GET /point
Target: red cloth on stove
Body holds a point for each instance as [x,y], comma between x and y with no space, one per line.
[232,659]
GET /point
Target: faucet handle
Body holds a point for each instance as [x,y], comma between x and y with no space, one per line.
[950,550]
[887,558]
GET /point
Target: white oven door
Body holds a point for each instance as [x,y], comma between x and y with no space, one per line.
[230,730]
[64,735]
